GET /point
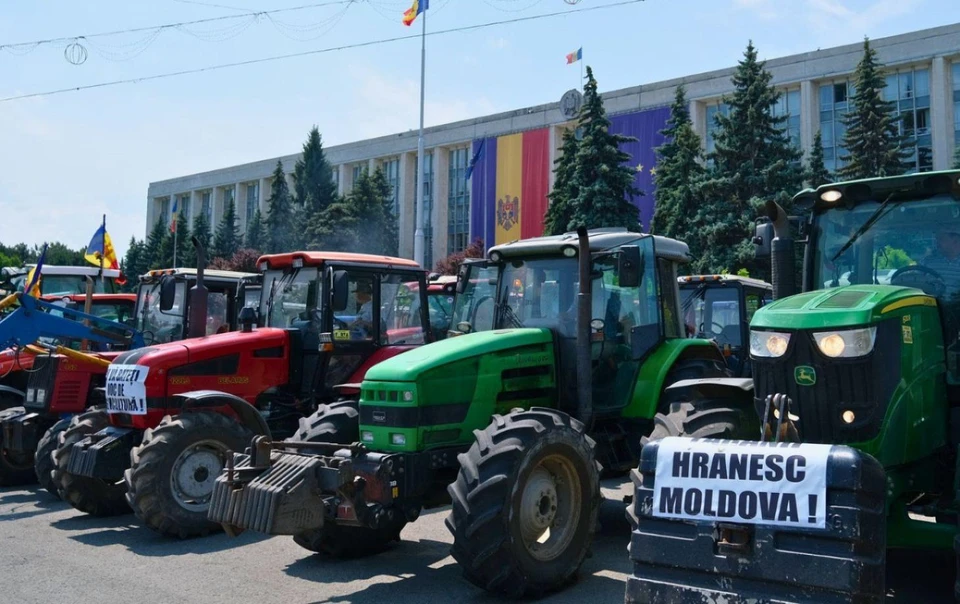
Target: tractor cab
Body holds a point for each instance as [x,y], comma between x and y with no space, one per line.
[719,308]
[248,295]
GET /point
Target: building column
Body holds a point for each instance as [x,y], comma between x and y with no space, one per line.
[809,115]
[371,166]
[216,211]
[440,215]
[265,184]
[941,114]
[407,190]
[342,180]
[237,205]
[698,119]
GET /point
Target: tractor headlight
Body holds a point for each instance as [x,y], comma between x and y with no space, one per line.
[366,436]
[849,343]
[41,395]
[408,396]
[31,395]
[398,440]
[768,344]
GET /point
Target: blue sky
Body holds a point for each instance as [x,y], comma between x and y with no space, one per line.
[67,159]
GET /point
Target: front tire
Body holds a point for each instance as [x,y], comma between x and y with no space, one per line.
[15,468]
[525,503]
[43,459]
[706,418]
[172,472]
[89,495]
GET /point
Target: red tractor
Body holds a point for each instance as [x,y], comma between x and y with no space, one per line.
[59,386]
[173,411]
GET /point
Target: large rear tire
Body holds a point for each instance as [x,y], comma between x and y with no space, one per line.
[172,472]
[89,495]
[525,503]
[15,468]
[43,459]
[339,423]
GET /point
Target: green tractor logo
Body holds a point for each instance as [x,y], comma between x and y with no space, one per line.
[805,375]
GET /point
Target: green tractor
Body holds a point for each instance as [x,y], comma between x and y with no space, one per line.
[862,371]
[559,361]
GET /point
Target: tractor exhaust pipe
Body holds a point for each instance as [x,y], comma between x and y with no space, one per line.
[584,300]
[198,296]
[783,266]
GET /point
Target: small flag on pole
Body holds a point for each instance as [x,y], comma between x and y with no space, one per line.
[173,219]
[411,14]
[573,57]
[100,252]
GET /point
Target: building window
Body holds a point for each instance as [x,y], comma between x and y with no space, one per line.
[833,106]
[789,106]
[336,177]
[206,205]
[427,209]
[712,111]
[253,200]
[458,202]
[165,209]
[391,170]
[184,207]
[358,170]
[956,104]
[229,196]
[910,91]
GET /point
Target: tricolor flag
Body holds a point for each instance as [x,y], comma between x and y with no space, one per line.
[414,11]
[173,219]
[573,57]
[100,252]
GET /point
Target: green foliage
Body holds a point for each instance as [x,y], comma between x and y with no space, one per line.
[604,183]
[872,138]
[891,257]
[256,232]
[313,177]
[389,236]
[743,273]
[136,262]
[753,161]
[201,230]
[680,172]
[363,222]
[560,213]
[817,173]
[333,229]
[153,251]
[280,215]
[228,239]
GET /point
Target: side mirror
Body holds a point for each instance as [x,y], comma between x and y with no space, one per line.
[339,291]
[247,318]
[168,292]
[762,238]
[462,275]
[630,266]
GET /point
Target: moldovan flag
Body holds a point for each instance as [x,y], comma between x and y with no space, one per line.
[101,246]
[411,14]
[509,187]
[173,217]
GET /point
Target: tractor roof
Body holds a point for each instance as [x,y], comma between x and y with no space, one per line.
[281,261]
[600,240]
[907,186]
[96,298]
[215,275]
[698,279]
[92,271]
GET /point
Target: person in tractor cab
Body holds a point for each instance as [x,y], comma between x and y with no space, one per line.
[945,260]
[364,321]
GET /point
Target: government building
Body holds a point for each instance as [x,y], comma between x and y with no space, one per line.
[505,196]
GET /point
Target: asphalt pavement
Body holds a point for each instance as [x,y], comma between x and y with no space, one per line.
[51,553]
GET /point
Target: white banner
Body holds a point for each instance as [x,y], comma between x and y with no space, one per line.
[126,389]
[780,484]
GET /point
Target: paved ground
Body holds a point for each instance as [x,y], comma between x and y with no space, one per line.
[49,552]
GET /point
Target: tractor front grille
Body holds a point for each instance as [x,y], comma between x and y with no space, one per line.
[863,386]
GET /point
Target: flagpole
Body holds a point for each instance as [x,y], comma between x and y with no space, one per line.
[581,70]
[103,250]
[175,242]
[418,236]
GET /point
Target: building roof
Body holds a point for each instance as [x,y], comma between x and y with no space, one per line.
[600,240]
[281,261]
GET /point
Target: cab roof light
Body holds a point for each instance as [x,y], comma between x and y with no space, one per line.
[264,266]
[297,263]
[831,195]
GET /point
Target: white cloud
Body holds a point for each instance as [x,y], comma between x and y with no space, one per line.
[498,43]
[836,20]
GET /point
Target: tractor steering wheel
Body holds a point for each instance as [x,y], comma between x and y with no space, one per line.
[340,324]
[926,279]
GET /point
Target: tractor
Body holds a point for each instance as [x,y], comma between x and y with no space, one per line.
[60,386]
[719,308]
[563,348]
[858,376]
[173,410]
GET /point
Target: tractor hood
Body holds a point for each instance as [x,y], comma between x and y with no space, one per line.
[839,307]
[408,366]
[195,350]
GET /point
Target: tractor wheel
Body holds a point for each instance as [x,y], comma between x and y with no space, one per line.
[15,468]
[172,472]
[691,369]
[705,418]
[89,495]
[525,503]
[8,400]
[339,423]
[43,458]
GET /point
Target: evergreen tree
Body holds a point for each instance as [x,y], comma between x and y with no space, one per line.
[153,251]
[754,160]
[390,231]
[334,229]
[186,253]
[604,182]
[256,232]
[560,212]
[228,239]
[279,222]
[135,261]
[201,230]
[313,176]
[956,158]
[872,138]
[817,173]
[679,173]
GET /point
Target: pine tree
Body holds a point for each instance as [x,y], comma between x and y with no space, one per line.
[605,188]
[333,229]
[560,212]
[313,176]
[135,262]
[817,173]
[956,158]
[228,239]
[390,232]
[153,252]
[186,253]
[201,230]
[256,232]
[753,161]
[279,222]
[679,173]
[872,138]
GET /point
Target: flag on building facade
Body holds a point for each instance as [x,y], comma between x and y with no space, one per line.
[573,57]
[173,214]
[411,14]
[32,287]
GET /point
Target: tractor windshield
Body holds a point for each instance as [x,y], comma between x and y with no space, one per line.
[158,326]
[289,297]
